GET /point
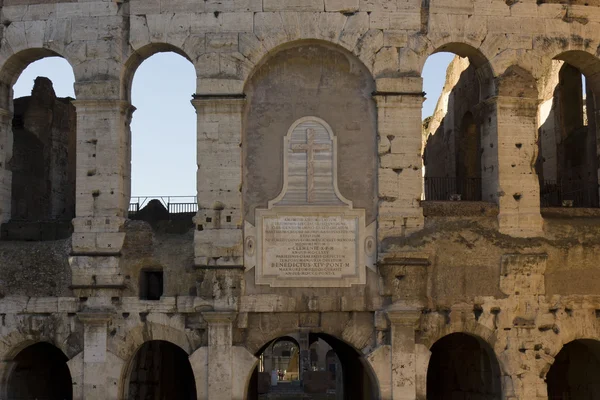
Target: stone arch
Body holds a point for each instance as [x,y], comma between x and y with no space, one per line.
[273,31]
[574,370]
[172,370]
[484,68]
[479,376]
[358,374]
[138,57]
[15,64]
[17,199]
[440,329]
[125,346]
[39,362]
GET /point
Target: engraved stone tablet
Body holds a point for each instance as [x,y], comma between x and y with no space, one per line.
[310,235]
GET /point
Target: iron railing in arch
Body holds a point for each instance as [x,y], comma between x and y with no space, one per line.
[173,204]
[571,193]
[447,188]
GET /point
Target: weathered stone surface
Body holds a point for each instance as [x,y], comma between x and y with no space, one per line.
[518,281]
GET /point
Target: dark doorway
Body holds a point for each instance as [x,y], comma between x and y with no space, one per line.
[40,371]
[161,371]
[465,367]
[343,374]
[576,371]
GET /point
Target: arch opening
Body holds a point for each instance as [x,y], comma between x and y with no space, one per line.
[574,374]
[39,156]
[163,162]
[327,367]
[463,366]
[160,370]
[40,371]
[454,129]
[568,146]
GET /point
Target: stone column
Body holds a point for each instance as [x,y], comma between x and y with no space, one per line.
[399,104]
[6,149]
[518,190]
[404,363]
[304,363]
[218,239]
[220,352]
[96,375]
[103,191]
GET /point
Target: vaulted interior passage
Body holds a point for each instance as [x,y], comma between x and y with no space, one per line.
[463,367]
[575,373]
[40,371]
[313,364]
[161,371]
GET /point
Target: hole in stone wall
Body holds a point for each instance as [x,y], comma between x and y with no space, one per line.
[151,284]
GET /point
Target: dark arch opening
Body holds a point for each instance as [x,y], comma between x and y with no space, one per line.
[567,164]
[463,366]
[574,374]
[355,382]
[161,371]
[40,371]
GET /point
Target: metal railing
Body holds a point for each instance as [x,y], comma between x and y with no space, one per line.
[574,193]
[452,188]
[173,204]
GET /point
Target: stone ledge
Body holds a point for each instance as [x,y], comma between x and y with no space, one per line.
[569,212]
[459,209]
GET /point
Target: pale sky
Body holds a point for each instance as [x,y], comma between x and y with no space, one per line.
[164,124]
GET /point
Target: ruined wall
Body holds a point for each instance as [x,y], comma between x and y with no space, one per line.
[43,162]
[520,279]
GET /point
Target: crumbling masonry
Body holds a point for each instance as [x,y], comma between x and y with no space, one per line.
[309,107]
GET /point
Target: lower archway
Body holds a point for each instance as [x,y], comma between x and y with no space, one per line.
[329,369]
[160,371]
[575,373]
[40,371]
[463,367]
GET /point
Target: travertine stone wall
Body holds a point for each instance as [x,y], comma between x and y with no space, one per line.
[521,279]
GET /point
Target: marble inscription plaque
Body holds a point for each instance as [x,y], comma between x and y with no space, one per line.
[310,235]
[310,246]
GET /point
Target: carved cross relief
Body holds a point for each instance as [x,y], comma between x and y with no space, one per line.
[310,166]
[310,148]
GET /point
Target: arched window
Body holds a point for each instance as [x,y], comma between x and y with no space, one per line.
[567,165]
[452,136]
[41,162]
[163,130]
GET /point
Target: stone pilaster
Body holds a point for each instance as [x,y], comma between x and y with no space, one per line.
[6,149]
[220,355]
[96,368]
[399,103]
[404,361]
[103,175]
[103,193]
[218,239]
[518,191]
